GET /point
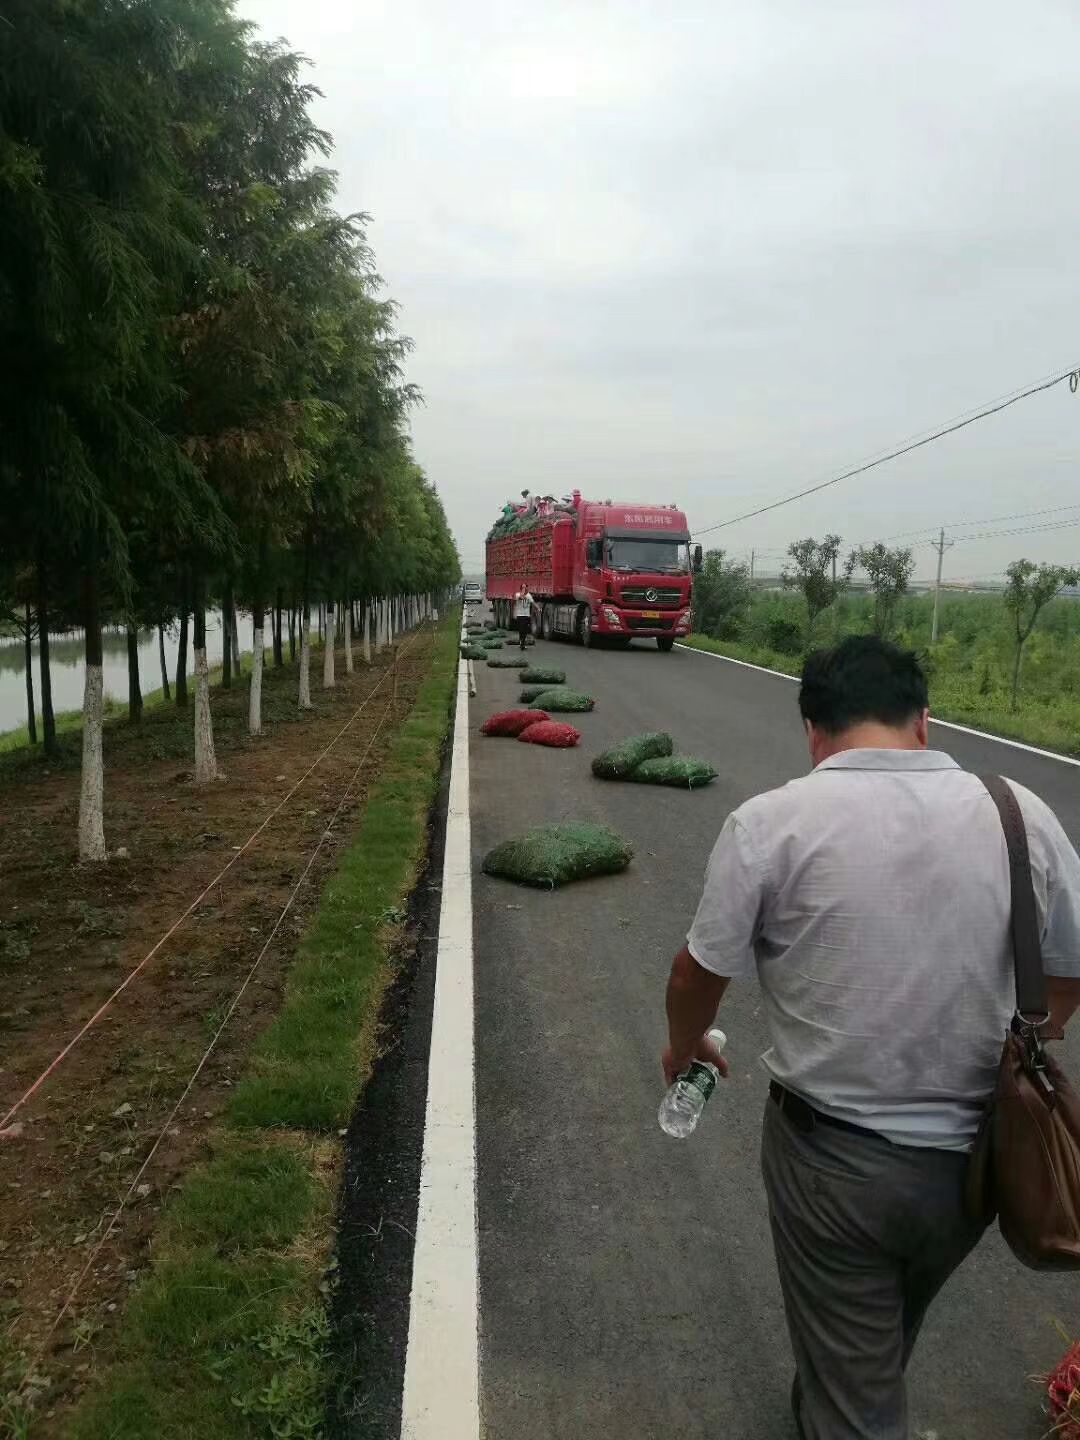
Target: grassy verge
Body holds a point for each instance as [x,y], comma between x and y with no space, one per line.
[1054,726]
[225,1340]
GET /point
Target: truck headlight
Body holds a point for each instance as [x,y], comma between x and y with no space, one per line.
[612,616]
[684,621]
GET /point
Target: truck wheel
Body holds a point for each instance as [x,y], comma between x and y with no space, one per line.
[547,622]
[585,633]
[664,643]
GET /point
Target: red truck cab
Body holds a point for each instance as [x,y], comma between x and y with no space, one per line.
[595,569]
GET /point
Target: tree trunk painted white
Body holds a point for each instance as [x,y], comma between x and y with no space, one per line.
[205,759]
[92,790]
[255,693]
[348,640]
[366,634]
[305,662]
[328,650]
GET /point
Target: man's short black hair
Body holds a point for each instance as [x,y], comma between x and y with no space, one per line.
[862,678]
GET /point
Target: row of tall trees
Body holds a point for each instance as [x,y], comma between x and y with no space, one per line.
[201,393]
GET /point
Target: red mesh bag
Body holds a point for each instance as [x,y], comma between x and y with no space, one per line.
[551,732]
[1063,1388]
[512,722]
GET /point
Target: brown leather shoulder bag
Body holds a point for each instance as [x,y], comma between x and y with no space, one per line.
[1025,1165]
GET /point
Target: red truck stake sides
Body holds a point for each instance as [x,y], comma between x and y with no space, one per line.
[594,568]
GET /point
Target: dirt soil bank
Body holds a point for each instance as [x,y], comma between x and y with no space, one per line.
[69,936]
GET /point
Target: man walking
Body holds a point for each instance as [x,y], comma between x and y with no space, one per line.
[523,603]
[872,900]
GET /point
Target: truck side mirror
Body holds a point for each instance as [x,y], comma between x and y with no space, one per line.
[697,559]
[594,554]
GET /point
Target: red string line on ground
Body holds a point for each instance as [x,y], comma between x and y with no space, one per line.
[217,1035]
[55,1064]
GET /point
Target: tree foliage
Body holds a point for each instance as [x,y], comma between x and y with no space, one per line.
[1029,589]
[890,573]
[722,595]
[202,389]
[814,573]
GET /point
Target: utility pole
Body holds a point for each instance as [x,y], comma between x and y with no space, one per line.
[940,547]
[753,553]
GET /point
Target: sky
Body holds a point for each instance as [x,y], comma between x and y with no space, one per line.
[713,253]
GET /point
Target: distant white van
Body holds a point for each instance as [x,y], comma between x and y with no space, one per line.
[474,592]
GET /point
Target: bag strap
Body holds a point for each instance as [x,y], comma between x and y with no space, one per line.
[1031,996]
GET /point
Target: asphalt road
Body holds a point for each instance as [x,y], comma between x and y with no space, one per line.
[627,1282]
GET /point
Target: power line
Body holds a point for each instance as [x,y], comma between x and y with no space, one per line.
[986,520]
[1073,376]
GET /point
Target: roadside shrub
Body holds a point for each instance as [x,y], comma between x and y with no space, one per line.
[553,855]
[551,732]
[620,760]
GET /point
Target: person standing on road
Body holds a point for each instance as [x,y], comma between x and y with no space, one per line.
[523,603]
[872,899]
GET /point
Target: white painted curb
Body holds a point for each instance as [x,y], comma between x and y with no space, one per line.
[945,724]
[441,1399]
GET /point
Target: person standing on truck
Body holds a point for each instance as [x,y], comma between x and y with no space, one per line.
[523,603]
[871,898]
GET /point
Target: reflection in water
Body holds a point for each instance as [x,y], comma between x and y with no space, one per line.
[66,667]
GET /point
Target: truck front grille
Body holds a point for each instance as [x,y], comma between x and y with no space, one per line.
[637,596]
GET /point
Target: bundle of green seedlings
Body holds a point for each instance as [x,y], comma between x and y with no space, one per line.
[505,662]
[553,855]
[541,675]
[563,699]
[530,692]
[648,760]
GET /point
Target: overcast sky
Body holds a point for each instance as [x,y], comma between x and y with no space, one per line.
[711,253]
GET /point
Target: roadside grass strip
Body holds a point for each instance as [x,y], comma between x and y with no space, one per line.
[226,1338]
[552,855]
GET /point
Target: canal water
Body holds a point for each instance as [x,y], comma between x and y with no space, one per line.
[66,667]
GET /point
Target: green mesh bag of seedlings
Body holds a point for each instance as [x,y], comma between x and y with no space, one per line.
[505,662]
[553,855]
[617,763]
[538,675]
[530,692]
[492,644]
[473,652]
[472,628]
[683,771]
[564,700]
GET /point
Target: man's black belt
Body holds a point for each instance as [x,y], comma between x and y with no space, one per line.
[803,1115]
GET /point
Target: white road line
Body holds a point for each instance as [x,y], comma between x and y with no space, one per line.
[945,724]
[441,1398]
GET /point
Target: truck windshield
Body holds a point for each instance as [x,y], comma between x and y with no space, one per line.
[668,557]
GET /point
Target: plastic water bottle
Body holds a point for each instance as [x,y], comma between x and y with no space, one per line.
[681,1107]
